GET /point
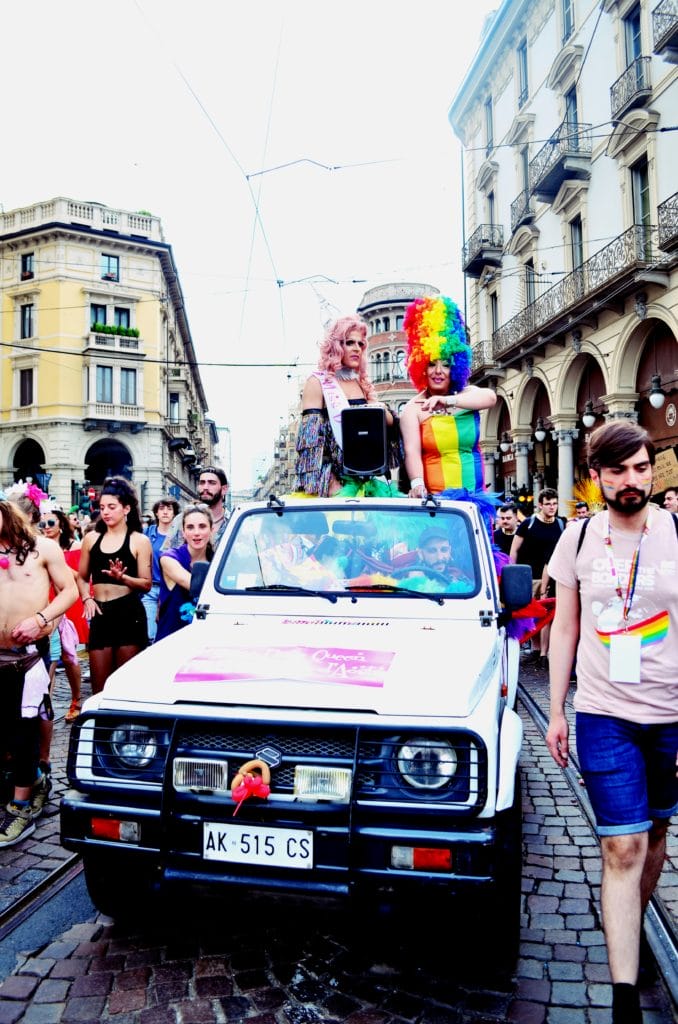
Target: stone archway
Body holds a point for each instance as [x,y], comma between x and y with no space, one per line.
[107,457]
[29,460]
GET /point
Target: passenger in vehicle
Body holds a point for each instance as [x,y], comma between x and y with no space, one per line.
[175,605]
[340,381]
[440,426]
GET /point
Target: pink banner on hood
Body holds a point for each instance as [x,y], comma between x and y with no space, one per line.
[304,664]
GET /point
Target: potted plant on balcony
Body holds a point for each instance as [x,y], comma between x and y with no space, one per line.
[26,275]
[109,276]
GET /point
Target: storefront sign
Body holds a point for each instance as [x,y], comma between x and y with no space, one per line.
[665,470]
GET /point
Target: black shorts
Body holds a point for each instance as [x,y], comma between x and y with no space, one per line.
[122,623]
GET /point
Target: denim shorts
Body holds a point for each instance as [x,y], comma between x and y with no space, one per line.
[629,770]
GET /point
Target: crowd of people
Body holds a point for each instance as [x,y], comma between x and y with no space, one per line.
[85,592]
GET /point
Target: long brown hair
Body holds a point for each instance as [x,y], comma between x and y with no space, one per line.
[16,531]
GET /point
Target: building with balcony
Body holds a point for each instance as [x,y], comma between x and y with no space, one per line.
[573,315]
[98,372]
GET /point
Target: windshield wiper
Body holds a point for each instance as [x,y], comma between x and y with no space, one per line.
[391,588]
[288,588]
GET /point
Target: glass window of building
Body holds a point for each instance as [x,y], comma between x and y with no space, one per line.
[523,88]
[632,41]
[489,126]
[399,365]
[110,267]
[25,387]
[104,384]
[27,267]
[530,291]
[97,314]
[128,387]
[26,316]
[576,242]
[121,316]
[567,9]
[174,407]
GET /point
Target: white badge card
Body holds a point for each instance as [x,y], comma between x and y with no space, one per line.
[624,658]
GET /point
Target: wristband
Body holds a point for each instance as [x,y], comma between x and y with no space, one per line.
[45,621]
[417,482]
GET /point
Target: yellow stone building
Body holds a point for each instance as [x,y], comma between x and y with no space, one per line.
[98,372]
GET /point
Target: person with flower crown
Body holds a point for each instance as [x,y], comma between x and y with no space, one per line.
[440,426]
[340,381]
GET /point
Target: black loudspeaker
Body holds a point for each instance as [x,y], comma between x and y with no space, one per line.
[363,432]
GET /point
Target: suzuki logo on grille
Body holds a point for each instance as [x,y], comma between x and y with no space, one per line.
[270,755]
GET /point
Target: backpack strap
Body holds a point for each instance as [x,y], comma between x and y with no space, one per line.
[582,534]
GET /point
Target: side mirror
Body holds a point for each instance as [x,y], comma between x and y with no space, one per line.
[516,586]
[198,574]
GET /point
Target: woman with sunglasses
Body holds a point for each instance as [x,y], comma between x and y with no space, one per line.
[72,628]
[340,381]
[116,556]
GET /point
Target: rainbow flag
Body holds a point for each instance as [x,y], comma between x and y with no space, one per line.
[450,447]
[650,631]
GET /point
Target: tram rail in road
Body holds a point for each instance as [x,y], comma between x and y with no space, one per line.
[660,928]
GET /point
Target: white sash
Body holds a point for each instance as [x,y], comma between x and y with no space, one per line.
[335,401]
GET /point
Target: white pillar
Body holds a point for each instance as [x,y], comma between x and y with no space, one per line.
[565,467]
[522,450]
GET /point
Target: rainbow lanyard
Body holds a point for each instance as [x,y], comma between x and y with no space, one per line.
[627,600]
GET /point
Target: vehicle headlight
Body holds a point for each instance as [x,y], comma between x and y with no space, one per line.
[134,745]
[427,764]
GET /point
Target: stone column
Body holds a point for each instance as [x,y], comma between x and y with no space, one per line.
[489,451]
[564,438]
[522,447]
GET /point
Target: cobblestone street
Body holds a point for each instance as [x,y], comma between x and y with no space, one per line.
[269,961]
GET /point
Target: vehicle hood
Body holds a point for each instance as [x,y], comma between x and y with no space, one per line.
[382,665]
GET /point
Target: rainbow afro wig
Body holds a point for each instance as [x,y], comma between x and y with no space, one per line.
[435,330]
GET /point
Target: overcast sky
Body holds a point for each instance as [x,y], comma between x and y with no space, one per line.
[173,106]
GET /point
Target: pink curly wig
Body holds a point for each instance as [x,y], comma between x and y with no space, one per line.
[331,351]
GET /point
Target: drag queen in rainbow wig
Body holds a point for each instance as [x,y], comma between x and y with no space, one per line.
[441,425]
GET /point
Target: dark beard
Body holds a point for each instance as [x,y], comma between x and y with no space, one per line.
[212,502]
[629,508]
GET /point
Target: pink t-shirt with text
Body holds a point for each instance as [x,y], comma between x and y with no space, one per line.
[653,616]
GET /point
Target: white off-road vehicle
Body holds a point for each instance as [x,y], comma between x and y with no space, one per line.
[355,650]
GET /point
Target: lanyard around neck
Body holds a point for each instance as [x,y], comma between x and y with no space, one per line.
[627,600]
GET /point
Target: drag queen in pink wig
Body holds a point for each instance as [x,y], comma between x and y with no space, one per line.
[340,381]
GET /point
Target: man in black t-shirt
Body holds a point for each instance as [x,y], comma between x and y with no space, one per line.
[534,544]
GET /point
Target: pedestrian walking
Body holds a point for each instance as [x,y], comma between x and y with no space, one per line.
[164,512]
[117,557]
[533,545]
[29,564]
[617,610]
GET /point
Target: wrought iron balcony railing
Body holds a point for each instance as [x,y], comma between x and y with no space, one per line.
[484,246]
[522,209]
[631,89]
[632,250]
[481,355]
[665,29]
[667,214]
[571,140]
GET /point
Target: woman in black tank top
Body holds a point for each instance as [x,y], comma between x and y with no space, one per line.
[116,557]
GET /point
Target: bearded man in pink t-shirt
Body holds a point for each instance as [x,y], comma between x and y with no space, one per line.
[617,611]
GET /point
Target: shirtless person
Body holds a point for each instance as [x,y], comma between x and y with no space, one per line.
[28,565]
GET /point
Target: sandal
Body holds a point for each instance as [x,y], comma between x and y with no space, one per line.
[73,711]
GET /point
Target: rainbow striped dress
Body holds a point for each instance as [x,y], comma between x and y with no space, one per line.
[450,450]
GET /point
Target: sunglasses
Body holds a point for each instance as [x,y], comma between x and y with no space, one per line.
[48,522]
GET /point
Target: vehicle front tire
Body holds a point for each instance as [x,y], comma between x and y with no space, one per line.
[116,888]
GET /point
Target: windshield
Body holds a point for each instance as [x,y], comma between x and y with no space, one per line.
[350,550]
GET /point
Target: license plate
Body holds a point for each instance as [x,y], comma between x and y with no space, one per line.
[256,844]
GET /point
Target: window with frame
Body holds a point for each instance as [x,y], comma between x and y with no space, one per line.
[26,387]
[490,208]
[104,384]
[572,110]
[567,10]
[27,266]
[640,193]
[523,87]
[97,314]
[128,386]
[530,283]
[174,407]
[576,242]
[387,323]
[494,311]
[633,46]
[26,320]
[110,267]
[377,367]
[489,126]
[121,316]
[399,365]
[385,366]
